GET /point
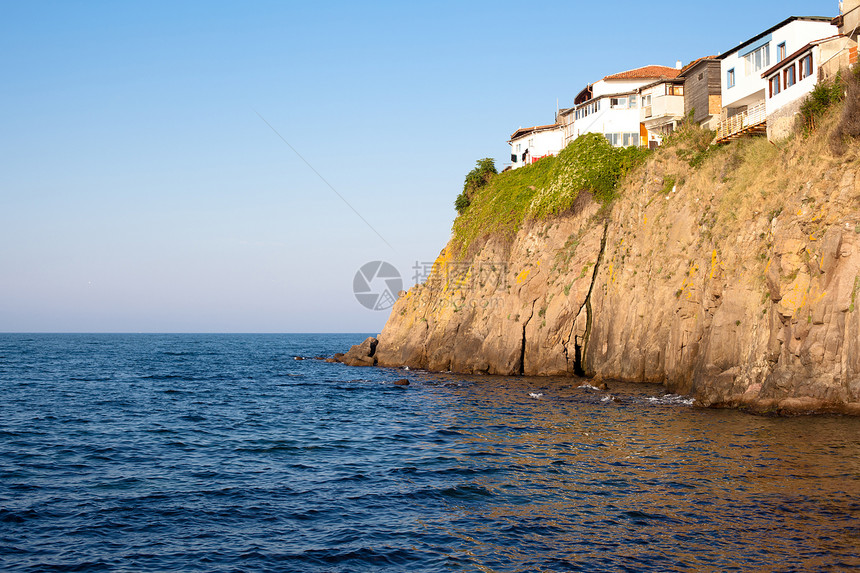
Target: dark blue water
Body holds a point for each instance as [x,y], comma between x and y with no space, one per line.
[223,453]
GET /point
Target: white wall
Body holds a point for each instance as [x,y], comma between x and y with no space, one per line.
[608,120]
[663,104]
[798,90]
[547,142]
[750,87]
[611,87]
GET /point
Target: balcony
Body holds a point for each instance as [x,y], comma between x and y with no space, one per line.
[664,106]
[752,121]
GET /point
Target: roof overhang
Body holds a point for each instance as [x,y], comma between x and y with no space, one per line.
[695,64]
[584,95]
[771,30]
[523,131]
[675,81]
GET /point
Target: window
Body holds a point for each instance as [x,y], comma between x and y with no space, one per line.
[519,147]
[531,143]
[730,78]
[774,85]
[646,100]
[757,59]
[780,52]
[622,139]
[633,100]
[789,77]
[806,67]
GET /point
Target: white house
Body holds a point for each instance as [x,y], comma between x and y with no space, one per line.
[611,107]
[662,108]
[743,88]
[789,81]
[528,144]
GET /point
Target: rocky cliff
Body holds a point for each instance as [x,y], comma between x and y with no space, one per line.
[735,282]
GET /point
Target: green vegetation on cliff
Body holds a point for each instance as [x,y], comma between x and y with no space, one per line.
[475,180]
[503,202]
[497,205]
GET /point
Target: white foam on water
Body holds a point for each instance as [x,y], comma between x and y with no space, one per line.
[535,395]
[671,399]
[587,387]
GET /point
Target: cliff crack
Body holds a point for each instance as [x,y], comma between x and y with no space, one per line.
[523,347]
[580,368]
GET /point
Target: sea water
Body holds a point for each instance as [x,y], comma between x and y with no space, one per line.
[225,453]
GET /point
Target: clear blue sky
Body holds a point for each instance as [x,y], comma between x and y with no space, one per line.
[140,191]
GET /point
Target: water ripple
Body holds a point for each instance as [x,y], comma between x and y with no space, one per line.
[223,453]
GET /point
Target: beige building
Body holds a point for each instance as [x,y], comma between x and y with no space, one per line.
[848,22]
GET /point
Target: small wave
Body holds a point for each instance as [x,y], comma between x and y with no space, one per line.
[671,400]
[588,387]
[535,395]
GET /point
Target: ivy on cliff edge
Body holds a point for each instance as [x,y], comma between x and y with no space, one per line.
[542,190]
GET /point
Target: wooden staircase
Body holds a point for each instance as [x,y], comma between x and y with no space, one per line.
[752,121]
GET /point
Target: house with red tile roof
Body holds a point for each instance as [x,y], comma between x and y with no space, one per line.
[611,106]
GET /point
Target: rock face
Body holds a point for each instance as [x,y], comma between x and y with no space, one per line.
[738,287]
[360,354]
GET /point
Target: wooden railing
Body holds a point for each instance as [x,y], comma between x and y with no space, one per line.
[753,120]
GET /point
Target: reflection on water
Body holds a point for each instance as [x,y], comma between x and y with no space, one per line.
[640,482]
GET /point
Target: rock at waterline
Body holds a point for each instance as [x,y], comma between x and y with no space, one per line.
[360,354]
[401,382]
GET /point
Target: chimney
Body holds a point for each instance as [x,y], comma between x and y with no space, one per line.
[678,65]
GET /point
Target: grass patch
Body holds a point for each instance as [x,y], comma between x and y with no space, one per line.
[668,184]
[854,293]
[691,142]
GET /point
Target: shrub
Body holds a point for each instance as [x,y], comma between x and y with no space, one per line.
[461,203]
[477,178]
[822,97]
[692,142]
